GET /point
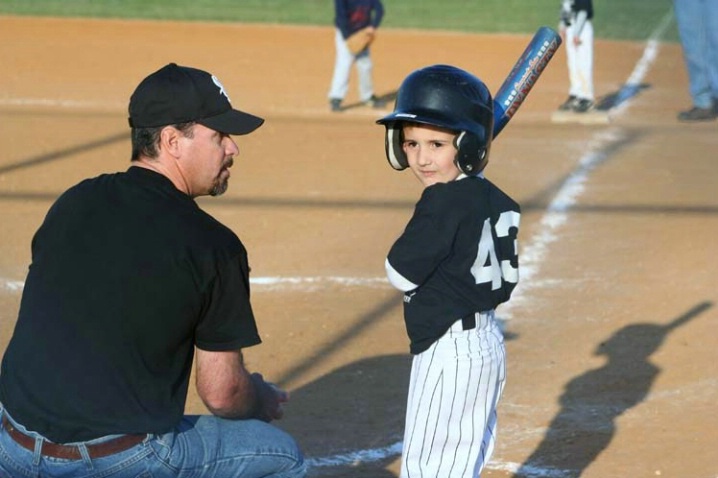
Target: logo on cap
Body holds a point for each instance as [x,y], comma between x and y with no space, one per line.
[221,88]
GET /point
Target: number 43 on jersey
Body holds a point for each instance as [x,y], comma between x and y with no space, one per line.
[493,264]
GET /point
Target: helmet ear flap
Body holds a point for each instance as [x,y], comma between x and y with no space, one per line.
[394,151]
[472,154]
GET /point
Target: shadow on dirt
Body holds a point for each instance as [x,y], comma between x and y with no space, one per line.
[614,99]
[592,402]
[387,99]
[349,422]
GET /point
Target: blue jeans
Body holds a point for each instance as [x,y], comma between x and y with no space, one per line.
[201,446]
[698,28]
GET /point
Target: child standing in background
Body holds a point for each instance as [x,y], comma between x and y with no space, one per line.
[576,28]
[350,16]
[456,261]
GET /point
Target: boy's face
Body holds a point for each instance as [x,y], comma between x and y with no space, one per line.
[431,152]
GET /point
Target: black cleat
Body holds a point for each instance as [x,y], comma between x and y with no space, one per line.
[698,114]
[582,105]
[375,102]
[568,104]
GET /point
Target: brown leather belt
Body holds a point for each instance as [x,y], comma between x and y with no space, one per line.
[72,452]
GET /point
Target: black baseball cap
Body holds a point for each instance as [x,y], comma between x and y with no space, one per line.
[180,94]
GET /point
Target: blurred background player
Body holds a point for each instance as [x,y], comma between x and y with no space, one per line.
[351,16]
[576,28]
[456,261]
[698,28]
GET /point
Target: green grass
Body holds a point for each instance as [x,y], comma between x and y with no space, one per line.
[614,19]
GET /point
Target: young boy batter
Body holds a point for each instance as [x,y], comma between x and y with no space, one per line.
[456,261]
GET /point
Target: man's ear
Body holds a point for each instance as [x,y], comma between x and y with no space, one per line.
[169,141]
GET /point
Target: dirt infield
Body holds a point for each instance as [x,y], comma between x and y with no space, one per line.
[612,335]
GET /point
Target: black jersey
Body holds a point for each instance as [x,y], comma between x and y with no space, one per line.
[574,6]
[583,5]
[351,16]
[128,275]
[458,255]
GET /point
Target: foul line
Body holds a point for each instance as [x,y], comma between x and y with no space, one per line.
[12,285]
[317,282]
[356,457]
[532,256]
[62,103]
[272,283]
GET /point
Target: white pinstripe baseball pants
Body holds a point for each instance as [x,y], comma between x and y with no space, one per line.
[454,388]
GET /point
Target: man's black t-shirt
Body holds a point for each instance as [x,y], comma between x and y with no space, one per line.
[128,275]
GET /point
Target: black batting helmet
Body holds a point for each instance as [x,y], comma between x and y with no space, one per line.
[450,98]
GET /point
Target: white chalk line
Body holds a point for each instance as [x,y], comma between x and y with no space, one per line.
[62,103]
[103,106]
[272,283]
[12,285]
[556,216]
[320,280]
[644,64]
[357,457]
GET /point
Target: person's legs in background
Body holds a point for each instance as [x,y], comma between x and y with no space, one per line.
[693,31]
[711,19]
[584,70]
[365,69]
[572,71]
[342,68]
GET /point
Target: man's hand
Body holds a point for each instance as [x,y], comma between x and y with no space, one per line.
[269,399]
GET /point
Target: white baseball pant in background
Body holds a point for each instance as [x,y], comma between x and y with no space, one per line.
[342,70]
[579,59]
